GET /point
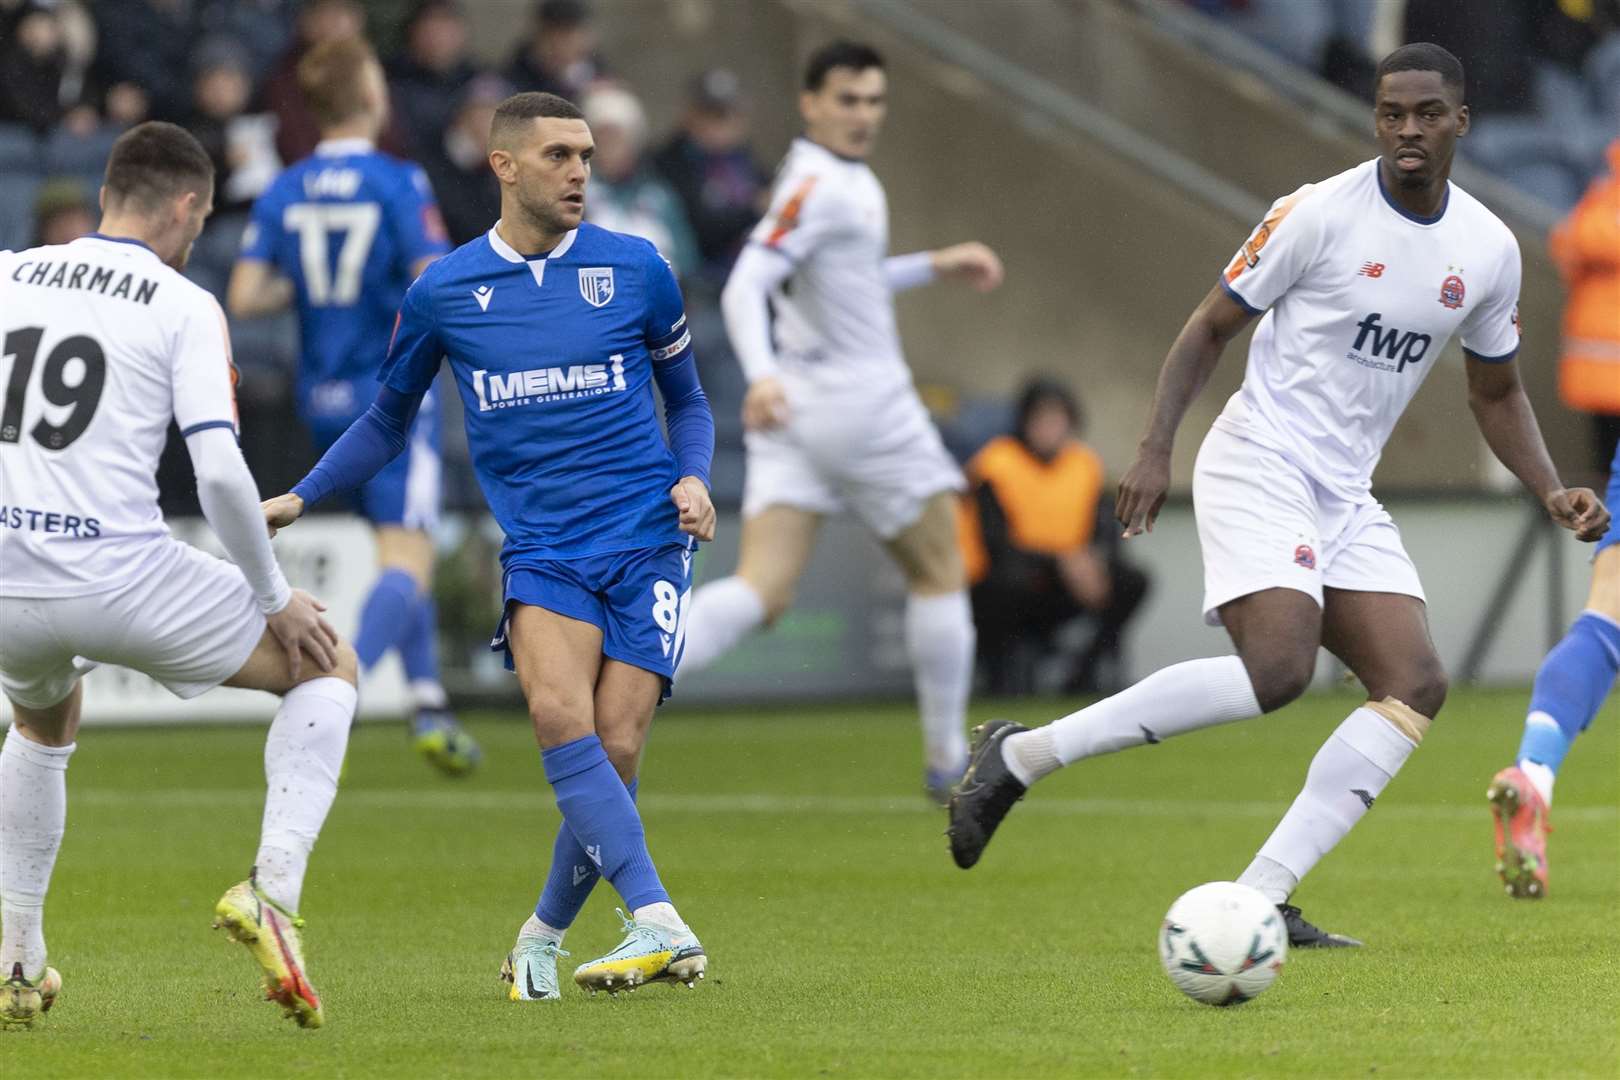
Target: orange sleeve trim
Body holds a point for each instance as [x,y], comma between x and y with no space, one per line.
[1248,257]
[788,218]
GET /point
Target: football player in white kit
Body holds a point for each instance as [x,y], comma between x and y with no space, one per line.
[833,420]
[1363,279]
[104,343]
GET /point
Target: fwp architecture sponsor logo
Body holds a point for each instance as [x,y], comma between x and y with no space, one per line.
[510,389]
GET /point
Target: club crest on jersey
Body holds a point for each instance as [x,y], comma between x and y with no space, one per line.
[596,284]
[1452,292]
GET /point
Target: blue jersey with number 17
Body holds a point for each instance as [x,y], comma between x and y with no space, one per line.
[553,356]
[346,225]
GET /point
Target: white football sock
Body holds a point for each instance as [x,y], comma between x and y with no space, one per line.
[661,914]
[1541,776]
[1173,701]
[302,757]
[533,928]
[1274,880]
[940,640]
[723,613]
[33,815]
[1346,775]
[429,694]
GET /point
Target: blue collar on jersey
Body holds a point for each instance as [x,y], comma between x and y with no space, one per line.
[537,263]
[119,240]
[1445,200]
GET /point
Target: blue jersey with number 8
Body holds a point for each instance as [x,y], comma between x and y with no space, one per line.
[346,226]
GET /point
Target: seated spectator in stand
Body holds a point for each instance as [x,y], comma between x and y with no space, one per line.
[296,130]
[34,71]
[626,194]
[560,55]
[711,167]
[427,78]
[63,212]
[144,58]
[241,145]
[458,168]
[1033,551]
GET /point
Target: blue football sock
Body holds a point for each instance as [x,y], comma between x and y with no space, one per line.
[1570,687]
[603,818]
[419,645]
[572,877]
[386,616]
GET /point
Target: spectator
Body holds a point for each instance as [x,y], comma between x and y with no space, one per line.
[296,129]
[560,55]
[469,195]
[626,195]
[33,64]
[144,59]
[1586,247]
[427,78]
[712,169]
[241,146]
[1032,548]
[62,213]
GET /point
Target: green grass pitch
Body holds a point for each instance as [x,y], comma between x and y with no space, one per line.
[843,941]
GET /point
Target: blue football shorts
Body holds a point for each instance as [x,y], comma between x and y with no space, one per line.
[406,491]
[639,600]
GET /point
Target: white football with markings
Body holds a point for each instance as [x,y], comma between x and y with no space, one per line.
[1223,943]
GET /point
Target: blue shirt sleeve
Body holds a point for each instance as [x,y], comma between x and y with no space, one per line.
[415,351]
[371,442]
[669,343]
[414,218]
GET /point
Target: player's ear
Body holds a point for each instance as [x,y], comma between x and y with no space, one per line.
[502,164]
[1464,118]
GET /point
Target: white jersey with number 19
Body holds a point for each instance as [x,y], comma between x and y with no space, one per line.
[102,344]
[1360,297]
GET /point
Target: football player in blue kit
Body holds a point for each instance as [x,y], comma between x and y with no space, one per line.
[340,235]
[555,332]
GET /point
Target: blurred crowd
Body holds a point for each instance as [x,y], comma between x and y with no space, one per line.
[1543,75]
[75,73]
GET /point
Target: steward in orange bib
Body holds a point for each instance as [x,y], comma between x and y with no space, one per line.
[1032,550]
[1586,247]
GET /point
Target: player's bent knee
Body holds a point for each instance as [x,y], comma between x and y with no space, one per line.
[624,753]
[559,716]
[1425,690]
[1280,679]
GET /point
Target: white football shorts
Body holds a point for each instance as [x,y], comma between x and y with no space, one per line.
[841,451]
[187,619]
[1263,523]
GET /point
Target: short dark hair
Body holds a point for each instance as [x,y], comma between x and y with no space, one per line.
[1045,390]
[562,14]
[155,162]
[517,110]
[1424,56]
[839,54]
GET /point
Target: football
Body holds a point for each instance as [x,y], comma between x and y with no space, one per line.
[1222,943]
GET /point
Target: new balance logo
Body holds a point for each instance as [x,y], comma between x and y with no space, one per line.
[595,853]
[1376,343]
[1364,795]
[1371,269]
[1149,735]
[482,295]
[580,874]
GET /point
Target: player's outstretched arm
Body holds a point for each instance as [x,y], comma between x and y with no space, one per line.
[1187,366]
[256,289]
[378,437]
[1502,410]
[974,264]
